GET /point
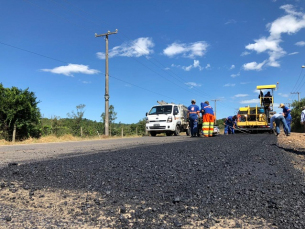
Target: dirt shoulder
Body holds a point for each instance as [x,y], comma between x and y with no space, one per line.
[295,146]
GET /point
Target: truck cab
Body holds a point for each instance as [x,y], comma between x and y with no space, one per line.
[167,118]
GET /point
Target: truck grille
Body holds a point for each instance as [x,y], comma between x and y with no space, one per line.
[157,127]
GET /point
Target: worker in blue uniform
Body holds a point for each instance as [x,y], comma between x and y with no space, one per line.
[287,115]
[230,124]
[278,119]
[193,112]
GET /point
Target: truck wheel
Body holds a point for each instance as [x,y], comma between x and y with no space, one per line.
[169,134]
[188,132]
[153,134]
[177,131]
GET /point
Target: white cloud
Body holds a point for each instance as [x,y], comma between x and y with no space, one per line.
[235,75]
[231,21]
[188,68]
[300,43]
[232,66]
[245,53]
[86,82]
[192,84]
[283,95]
[244,82]
[240,95]
[207,66]
[253,66]
[72,68]
[136,48]
[251,101]
[290,23]
[229,85]
[190,50]
[293,53]
[196,64]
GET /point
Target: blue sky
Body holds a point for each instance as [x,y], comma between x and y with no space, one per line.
[167,50]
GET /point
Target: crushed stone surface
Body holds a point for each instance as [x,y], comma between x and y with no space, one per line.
[238,181]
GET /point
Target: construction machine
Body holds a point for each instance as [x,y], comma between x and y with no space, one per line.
[257,119]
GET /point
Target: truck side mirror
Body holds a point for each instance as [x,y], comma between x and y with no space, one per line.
[146,114]
[175,112]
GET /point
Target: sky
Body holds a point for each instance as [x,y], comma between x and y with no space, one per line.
[175,51]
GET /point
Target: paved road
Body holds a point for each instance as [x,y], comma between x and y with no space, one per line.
[43,151]
[240,181]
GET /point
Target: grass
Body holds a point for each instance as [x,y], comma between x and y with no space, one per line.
[65,138]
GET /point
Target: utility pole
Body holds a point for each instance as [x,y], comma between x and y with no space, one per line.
[298,95]
[106,81]
[215,108]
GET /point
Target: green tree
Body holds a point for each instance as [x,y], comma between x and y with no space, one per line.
[77,119]
[112,116]
[296,115]
[19,108]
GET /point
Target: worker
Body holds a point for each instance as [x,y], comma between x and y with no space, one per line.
[208,118]
[278,119]
[268,96]
[303,117]
[192,115]
[230,125]
[287,115]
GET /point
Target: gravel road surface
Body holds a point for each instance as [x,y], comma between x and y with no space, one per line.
[238,181]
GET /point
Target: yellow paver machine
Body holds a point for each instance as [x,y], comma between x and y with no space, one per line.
[257,119]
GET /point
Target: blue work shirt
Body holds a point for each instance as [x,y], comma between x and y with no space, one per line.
[193,111]
[206,109]
[286,111]
[229,120]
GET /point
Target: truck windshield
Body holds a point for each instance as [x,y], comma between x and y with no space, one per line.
[167,109]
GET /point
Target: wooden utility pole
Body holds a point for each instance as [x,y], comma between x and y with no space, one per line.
[298,95]
[106,81]
[215,108]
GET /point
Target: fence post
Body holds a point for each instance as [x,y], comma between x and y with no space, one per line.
[122,132]
[81,131]
[137,131]
[14,134]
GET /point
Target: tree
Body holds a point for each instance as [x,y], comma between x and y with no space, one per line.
[296,115]
[18,108]
[77,118]
[112,116]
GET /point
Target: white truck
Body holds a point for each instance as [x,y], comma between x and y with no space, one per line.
[168,118]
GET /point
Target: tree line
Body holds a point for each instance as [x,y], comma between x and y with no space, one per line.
[20,115]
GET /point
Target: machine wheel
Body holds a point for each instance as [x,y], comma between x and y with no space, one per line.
[169,133]
[153,134]
[177,130]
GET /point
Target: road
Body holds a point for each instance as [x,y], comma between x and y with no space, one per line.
[240,181]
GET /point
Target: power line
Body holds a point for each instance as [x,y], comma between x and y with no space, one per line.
[34,53]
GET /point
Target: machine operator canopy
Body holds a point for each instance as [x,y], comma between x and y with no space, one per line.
[262,87]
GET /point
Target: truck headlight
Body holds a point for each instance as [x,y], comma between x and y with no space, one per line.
[169,119]
[147,121]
